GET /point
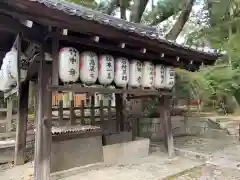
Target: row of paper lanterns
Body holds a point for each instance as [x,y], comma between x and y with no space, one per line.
[106,70]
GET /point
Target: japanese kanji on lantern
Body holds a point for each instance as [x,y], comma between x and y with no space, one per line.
[135,73]
[121,72]
[147,74]
[88,67]
[105,69]
[68,64]
[6,78]
[170,77]
[11,57]
[159,76]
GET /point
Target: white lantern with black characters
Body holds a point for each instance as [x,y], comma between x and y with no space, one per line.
[11,57]
[68,64]
[170,77]
[6,78]
[159,76]
[147,74]
[88,67]
[135,73]
[121,72]
[105,69]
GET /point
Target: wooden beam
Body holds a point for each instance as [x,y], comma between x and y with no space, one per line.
[22,92]
[167,124]
[79,89]
[9,114]
[128,52]
[11,25]
[55,62]
[43,123]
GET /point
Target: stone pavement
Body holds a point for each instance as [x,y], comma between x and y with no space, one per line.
[223,164]
[154,167]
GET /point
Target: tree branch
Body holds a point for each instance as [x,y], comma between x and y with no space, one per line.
[178,26]
[137,10]
[123,8]
[111,7]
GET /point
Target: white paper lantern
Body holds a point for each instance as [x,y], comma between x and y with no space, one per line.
[3,82]
[6,79]
[105,69]
[11,58]
[159,76]
[170,77]
[147,74]
[68,64]
[135,73]
[121,72]
[88,67]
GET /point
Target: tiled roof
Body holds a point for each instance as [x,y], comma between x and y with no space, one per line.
[74,129]
[138,29]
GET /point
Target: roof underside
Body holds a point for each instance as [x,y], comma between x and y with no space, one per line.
[54,13]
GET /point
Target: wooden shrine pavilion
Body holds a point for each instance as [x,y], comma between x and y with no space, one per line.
[44,26]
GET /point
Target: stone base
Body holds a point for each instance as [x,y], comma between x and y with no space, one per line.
[126,152]
[117,138]
[75,153]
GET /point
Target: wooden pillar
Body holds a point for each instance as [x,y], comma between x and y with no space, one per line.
[22,116]
[9,114]
[72,113]
[43,123]
[165,115]
[93,110]
[55,63]
[120,111]
[82,112]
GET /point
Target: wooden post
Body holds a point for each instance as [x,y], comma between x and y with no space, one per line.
[22,119]
[55,63]
[9,114]
[101,114]
[43,123]
[92,110]
[72,113]
[60,111]
[120,110]
[165,116]
[82,112]
[109,110]
[23,89]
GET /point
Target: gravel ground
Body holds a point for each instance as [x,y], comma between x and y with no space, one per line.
[154,167]
[207,172]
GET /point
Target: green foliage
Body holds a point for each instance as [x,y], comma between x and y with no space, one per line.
[162,11]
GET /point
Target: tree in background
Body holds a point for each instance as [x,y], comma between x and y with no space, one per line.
[150,12]
[215,25]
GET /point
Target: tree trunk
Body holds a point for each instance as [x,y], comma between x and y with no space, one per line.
[165,12]
[137,10]
[112,6]
[123,8]
[178,26]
